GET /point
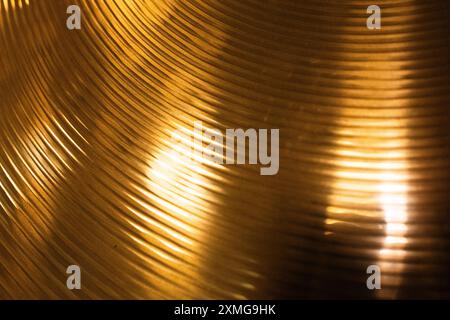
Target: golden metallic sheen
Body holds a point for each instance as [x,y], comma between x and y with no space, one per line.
[88,176]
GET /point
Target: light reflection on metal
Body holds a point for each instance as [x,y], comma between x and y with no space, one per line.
[90,173]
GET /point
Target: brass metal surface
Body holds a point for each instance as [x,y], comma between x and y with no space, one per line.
[88,177]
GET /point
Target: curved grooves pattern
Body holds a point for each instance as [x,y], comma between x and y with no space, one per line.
[90,174]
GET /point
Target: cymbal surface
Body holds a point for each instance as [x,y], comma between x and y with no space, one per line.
[89,175]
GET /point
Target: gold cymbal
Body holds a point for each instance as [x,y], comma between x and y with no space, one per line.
[90,174]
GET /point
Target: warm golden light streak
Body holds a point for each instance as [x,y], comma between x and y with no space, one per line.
[100,165]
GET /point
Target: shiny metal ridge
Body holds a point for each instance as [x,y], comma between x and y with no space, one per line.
[88,177]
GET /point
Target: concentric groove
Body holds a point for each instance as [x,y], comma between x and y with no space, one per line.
[88,175]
